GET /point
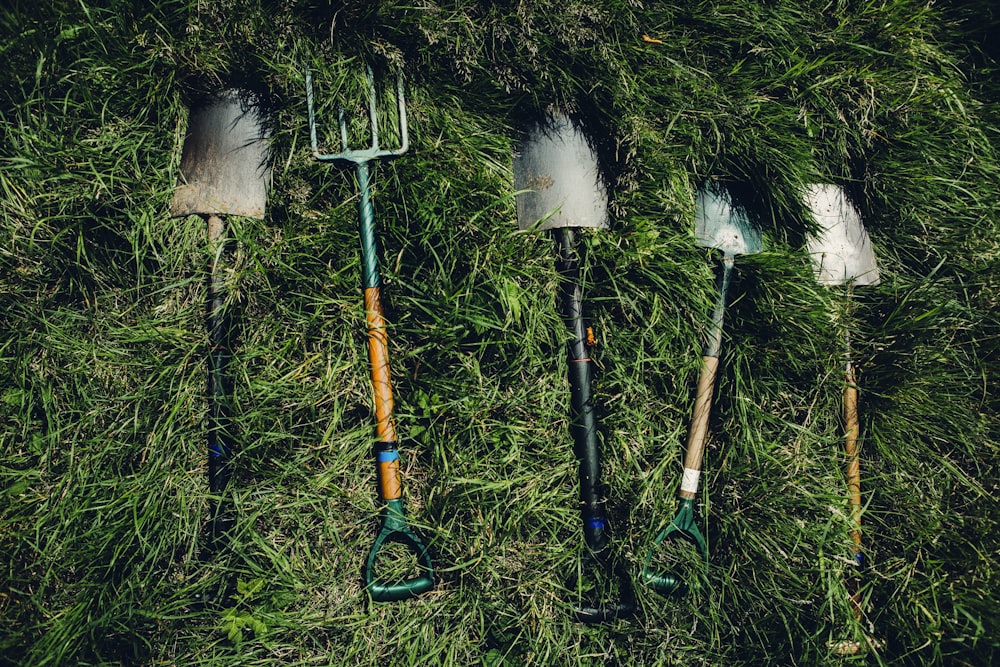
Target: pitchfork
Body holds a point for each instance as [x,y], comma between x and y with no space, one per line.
[394,527]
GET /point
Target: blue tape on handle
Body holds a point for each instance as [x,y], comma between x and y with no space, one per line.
[388,457]
[595,523]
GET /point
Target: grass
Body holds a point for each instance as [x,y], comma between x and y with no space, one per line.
[104,504]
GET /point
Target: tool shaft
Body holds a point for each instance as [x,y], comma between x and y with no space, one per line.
[583,417]
[851,430]
[698,431]
[387,456]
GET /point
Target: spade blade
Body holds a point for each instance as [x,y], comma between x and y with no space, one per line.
[557,179]
[224,166]
[841,250]
[718,224]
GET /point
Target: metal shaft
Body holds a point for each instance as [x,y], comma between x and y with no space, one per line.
[713,341]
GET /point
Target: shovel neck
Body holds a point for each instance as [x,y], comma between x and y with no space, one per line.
[713,341]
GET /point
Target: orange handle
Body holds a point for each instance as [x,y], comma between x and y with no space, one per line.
[385,428]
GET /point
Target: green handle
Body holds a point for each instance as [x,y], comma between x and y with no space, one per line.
[682,527]
[395,529]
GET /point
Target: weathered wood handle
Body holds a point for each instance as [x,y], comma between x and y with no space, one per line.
[699,427]
[851,448]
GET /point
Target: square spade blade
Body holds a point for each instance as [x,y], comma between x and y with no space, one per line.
[719,224]
[841,251]
[557,179]
[224,166]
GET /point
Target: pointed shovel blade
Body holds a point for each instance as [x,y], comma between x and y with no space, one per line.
[718,224]
[557,180]
[841,250]
[224,167]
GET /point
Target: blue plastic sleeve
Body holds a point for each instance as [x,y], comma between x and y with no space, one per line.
[389,456]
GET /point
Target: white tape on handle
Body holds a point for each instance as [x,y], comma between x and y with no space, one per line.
[689,483]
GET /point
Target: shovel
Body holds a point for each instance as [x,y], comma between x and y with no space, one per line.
[558,188]
[717,225]
[394,527]
[842,254]
[224,171]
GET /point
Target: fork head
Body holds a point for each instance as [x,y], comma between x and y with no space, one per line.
[374,151]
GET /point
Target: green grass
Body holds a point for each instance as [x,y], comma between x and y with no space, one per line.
[104,499]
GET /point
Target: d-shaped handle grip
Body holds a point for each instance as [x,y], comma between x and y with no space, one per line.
[395,529]
[624,607]
[683,527]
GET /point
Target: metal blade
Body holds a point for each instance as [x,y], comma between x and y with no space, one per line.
[841,251]
[224,167]
[557,180]
[718,224]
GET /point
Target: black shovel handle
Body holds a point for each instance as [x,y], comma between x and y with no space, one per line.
[583,426]
[221,438]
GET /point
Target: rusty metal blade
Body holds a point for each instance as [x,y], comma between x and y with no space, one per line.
[557,180]
[224,166]
[841,251]
[718,224]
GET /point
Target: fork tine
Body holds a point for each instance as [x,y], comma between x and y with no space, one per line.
[374,150]
[372,111]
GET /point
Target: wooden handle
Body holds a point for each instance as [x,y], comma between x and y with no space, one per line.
[851,448]
[378,356]
[699,427]
[385,428]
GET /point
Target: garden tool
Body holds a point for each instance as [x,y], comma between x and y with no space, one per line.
[224,171]
[720,225]
[558,188]
[392,518]
[842,255]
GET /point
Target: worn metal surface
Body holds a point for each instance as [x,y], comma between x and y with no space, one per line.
[557,179]
[718,224]
[841,251]
[224,167]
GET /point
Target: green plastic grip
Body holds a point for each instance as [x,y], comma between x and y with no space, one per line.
[682,527]
[395,529]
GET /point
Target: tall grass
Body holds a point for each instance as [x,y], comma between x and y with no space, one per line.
[103,345]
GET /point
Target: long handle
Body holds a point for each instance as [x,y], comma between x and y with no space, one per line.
[853,473]
[698,431]
[221,440]
[586,445]
[583,419]
[851,430]
[683,526]
[394,527]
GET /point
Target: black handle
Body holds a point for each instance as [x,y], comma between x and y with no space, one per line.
[605,612]
[583,418]
[221,432]
[586,443]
